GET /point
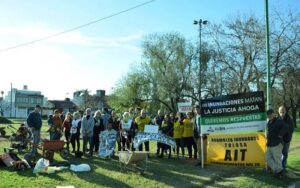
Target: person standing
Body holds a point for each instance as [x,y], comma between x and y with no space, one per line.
[188,128]
[158,121]
[34,121]
[288,136]
[67,126]
[276,129]
[125,126]
[75,132]
[141,121]
[87,127]
[50,124]
[166,129]
[57,128]
[197,135]
[116,126]
[177,133]
[134,128]
[98,128]
[105,117]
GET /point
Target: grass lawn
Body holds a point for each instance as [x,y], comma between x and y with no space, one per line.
[160,173]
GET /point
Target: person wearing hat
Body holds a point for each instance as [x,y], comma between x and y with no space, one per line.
[34,121]
[276,129]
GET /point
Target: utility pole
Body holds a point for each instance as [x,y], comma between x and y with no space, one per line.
[269,89]
[200,22]
[11,96]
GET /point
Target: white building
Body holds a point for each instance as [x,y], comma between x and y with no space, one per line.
[21,102]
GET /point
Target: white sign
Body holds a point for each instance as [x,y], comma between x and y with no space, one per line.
[161,138]
[151,129]
[107,143]
[184,107]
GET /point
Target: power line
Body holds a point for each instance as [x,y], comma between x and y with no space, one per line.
[75,28]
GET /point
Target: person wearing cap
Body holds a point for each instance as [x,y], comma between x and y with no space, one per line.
[34,121]
[288,136]
[276,129]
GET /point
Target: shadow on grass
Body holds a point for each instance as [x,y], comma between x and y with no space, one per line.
[294,170]
[93,177]
[28,173]
[100,180]
[177,173]
[184,174]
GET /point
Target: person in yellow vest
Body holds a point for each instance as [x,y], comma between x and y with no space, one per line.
[177,133]
[188,133]
[141,121]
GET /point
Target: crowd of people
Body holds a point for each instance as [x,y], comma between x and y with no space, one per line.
[184,128]
[88,126]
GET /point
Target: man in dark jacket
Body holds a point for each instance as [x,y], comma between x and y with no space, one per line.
[34,121]
[288,136]
[276,129]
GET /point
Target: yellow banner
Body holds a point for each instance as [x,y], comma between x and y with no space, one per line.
[237,150]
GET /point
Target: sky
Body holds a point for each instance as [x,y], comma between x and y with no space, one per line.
[99,55]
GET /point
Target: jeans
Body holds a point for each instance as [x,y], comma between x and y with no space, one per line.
[87,139]
[67,136]
[95,143]
[75,140]
[285,151]
[36,140]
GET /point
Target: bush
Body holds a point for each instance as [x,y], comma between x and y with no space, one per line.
[4,120]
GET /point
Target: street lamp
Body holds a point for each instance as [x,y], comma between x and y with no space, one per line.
[200,22]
